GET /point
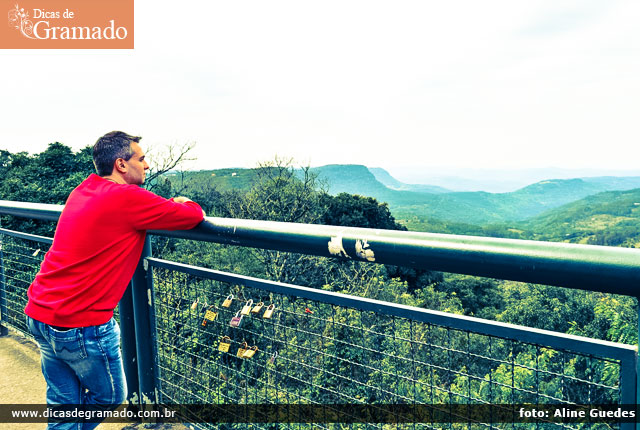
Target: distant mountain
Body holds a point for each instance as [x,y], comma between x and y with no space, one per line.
[462,207]
[467,207]
[390,182]
[608,218]
[495,180]
[527,202]
[350,178]
[612,183]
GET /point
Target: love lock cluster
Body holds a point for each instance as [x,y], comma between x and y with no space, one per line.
[248,309]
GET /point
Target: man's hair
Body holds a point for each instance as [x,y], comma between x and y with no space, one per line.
[110,147]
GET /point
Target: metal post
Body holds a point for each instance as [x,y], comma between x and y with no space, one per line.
[154,331]
[129,356]
[637,402]
[144,333]
[3,285]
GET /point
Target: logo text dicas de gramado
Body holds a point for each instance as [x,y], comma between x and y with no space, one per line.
[36,24]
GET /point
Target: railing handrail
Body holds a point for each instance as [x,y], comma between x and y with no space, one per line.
[587,267]
[42,211]
[26,236]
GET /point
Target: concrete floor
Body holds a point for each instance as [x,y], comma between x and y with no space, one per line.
[22,383]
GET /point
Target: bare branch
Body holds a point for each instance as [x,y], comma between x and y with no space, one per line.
[165,159]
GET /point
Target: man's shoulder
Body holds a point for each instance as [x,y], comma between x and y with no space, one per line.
[97,189]
[104,186]
[138,191]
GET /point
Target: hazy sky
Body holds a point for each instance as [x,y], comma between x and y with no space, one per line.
[382,83]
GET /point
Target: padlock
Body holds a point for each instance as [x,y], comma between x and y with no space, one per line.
[272,359]
[269,312]
[227,301]
[242,349]
[250,352]
[209,316]
[247,307]
[194,305]
[236,320]
[257,307]
[225,344]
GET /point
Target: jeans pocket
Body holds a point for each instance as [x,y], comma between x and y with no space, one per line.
[108,338]
[68,345]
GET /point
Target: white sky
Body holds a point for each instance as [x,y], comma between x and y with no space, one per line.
[396,83]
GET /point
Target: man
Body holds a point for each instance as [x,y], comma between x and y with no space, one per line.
[95,250]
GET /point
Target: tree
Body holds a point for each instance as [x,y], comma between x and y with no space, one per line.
[278,193]
[163,160]
[358,211]
[480,297]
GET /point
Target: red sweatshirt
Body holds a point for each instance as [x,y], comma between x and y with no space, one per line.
[96,248]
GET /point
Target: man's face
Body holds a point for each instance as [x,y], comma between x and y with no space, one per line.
[136,166]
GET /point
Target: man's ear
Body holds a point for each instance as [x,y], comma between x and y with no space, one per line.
[120,165]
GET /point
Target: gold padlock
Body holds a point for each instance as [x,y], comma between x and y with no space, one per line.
[269,312]
[250,352]
[194,305]
[225,344]
[247,307]
[227,301]
[257,307]
[209,316]
[243,348]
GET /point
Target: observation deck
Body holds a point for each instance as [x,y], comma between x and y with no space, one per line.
[304,357]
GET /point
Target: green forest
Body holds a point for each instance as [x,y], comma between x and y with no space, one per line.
[281,191]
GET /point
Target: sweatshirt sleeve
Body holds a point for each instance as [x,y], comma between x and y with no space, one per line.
[149,211]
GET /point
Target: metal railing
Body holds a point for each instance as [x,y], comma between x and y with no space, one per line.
[321,347]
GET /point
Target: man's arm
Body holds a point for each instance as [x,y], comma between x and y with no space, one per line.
[148,211]
[181,199]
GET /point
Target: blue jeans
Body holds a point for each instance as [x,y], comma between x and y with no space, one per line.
[82,366]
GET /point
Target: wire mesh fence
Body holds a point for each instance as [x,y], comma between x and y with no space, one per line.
[229,342]
[226,342]
[20,259]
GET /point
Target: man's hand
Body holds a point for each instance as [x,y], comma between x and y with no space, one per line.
[184,200]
